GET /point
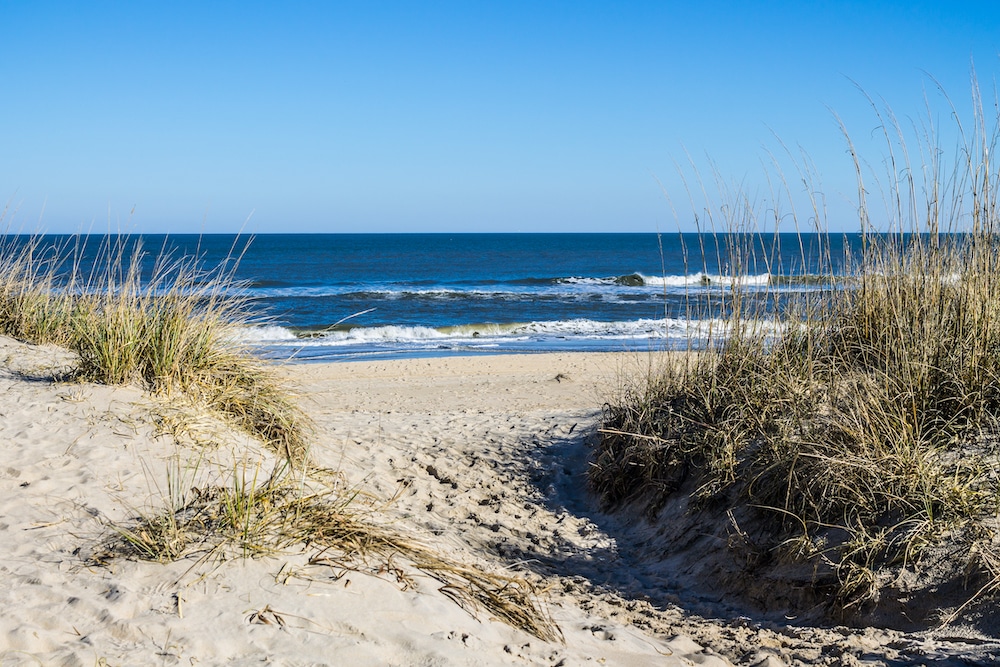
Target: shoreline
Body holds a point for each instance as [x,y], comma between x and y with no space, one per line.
[320,354]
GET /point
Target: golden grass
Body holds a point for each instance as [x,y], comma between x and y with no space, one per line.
[862,429]
[267,514]
[175,330]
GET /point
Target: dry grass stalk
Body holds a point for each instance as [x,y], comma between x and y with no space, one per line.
[264,515]
[172,327]
[175,330]
[864,423]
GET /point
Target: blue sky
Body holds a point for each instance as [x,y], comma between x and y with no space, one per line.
[448,116]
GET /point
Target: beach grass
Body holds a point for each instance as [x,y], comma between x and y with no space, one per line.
[278,512]
[853,427]
[176,329]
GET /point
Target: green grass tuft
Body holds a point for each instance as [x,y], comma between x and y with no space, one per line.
[175,330]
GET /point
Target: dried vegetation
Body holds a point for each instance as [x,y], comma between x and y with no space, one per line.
[173,328]
[852,427]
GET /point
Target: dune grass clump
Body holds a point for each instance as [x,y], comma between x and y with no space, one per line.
[31,308]
[257,514]
[856,425]
[175,329]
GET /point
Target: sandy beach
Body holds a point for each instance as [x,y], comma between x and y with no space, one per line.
[481,458]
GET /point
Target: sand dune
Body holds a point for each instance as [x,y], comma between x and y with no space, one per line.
[481,458]
[80,457]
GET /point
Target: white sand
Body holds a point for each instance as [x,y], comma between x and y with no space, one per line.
[484,457]
[77,457]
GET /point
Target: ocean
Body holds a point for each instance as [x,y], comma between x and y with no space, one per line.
[328,297]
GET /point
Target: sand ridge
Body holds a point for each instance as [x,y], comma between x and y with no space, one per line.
[482,458]
[80,457]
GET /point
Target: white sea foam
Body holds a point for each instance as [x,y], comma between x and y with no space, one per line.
[705,280]
[383,334]
[264,334]
[587,281]
[494,334]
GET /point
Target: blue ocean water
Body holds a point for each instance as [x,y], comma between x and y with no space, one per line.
[351,296]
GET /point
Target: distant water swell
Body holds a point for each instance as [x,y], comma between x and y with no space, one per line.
[630,311]
[279,288]
[349,296]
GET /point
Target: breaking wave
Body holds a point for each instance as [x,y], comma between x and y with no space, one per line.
[579,329]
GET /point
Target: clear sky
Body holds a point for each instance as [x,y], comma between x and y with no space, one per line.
[476,116]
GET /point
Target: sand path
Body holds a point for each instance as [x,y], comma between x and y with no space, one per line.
[490,455]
